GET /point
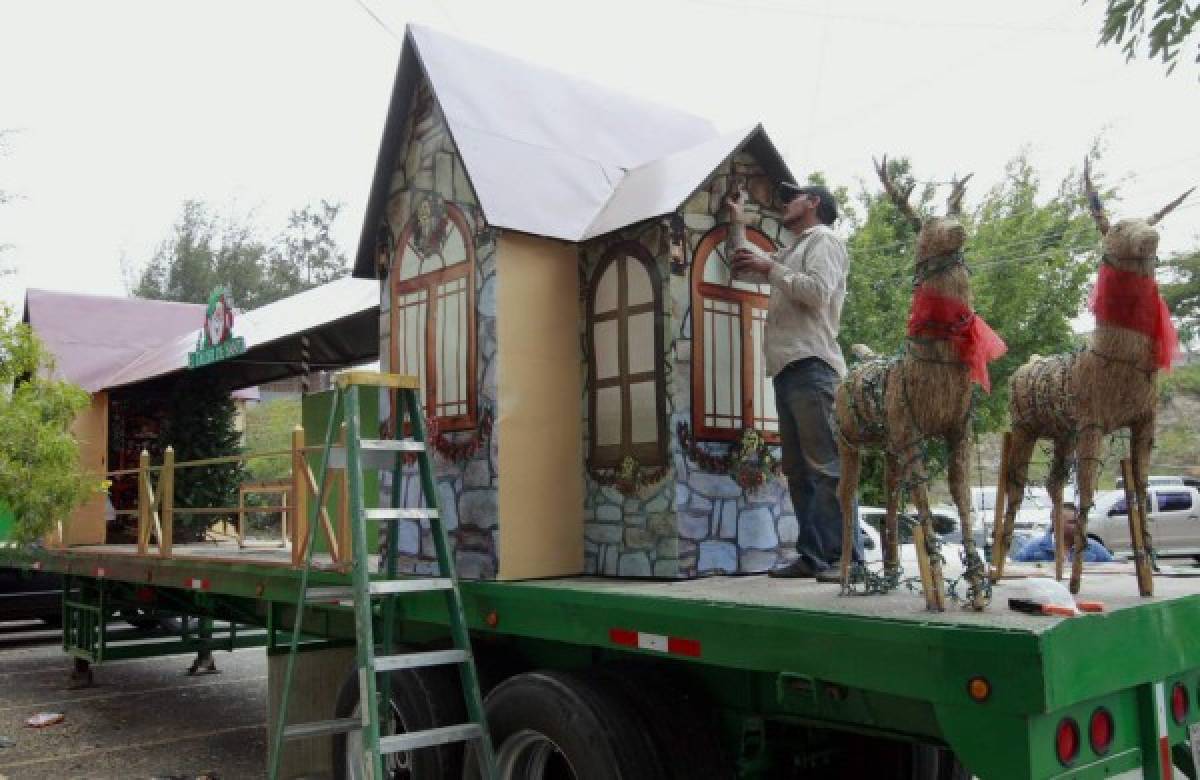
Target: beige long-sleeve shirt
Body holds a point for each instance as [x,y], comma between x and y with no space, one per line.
[808,287]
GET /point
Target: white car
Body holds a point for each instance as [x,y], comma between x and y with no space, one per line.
[1032,518]
[1173,520]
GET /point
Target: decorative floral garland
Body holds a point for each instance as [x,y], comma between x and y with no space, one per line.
[749,462]
[456,452]
[631,477]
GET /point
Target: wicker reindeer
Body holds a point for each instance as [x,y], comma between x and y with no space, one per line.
[899,403]
[1076,399]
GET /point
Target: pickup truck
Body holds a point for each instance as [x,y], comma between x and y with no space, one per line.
[1173,520]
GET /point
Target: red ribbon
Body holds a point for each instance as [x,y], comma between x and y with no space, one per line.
[1130,300]
[975,342]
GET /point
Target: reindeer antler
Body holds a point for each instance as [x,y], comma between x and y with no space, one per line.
[1093,199]
[1167,209]
[954,202]
[899,196]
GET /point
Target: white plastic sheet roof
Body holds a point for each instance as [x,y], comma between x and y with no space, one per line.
[546,153]
[272,325]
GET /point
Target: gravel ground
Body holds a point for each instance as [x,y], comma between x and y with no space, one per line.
[143,718]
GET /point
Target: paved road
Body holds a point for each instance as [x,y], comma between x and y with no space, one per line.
[143,719]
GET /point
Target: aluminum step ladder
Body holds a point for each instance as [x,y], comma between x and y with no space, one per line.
[365,593]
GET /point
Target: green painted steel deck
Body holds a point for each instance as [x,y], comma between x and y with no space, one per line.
[798,650]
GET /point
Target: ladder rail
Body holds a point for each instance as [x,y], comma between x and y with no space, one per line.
[280,726]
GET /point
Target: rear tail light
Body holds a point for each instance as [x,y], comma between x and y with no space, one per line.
[1179,703]
[1066,741]
[1100,731]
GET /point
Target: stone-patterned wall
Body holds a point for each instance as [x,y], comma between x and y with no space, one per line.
[467,490]
[693,522]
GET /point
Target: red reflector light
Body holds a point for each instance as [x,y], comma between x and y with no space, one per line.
[1179,703]
[1100,731]
[1066,741]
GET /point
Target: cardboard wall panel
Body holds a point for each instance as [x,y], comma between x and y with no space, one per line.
[87,523]
[538,425]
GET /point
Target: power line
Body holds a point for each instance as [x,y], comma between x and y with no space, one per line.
[362,4]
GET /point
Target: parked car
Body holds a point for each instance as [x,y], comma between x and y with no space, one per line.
[1164,480]
[1173,519]
[30,595]
[1032,518]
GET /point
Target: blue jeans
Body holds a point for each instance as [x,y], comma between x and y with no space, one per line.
[804,399]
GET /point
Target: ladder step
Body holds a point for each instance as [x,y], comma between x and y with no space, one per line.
[398,743]
[322,728]
[345,594]
[400,513]
[375,453]
[391,663]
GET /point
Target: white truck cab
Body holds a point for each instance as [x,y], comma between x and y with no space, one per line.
[1173,518]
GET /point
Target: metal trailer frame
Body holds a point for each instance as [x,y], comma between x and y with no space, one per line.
[901,678]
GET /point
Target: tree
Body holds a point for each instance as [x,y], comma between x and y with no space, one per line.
[1030,265]
[200,423]
[41,478]
[206,250]
[1183,293]
[1171,22]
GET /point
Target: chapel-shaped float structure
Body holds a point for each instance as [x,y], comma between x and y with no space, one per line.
[552,265]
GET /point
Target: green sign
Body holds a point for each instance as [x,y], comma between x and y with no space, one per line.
[216,340]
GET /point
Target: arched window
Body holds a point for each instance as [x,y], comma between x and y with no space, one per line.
[433,311]
[730,387]
[626,411]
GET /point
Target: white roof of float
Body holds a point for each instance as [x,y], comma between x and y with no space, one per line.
[276,322]
[547,153]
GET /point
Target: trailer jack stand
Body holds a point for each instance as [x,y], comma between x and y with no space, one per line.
[81,674]
[204,664]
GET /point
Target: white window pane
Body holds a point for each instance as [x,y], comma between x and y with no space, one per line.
[641,290]
[450,337]
[432,262]
[759,369]
[735,367]
[641,343]
[715,269]
[644,412]
[607,364]
[719,363]
[761,289]
[410,263]
[606,290]
[608,416]
[454,250]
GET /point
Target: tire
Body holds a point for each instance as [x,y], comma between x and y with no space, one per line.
[421,699]
[566,727]
[680,721]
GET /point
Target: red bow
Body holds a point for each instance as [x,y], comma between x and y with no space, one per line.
[951,319]
[1129,300]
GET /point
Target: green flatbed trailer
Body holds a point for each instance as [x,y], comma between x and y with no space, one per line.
[799,678]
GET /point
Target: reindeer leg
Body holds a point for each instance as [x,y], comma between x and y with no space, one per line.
[960,467]
[851,458]
[1020,450]
[1141,445]
[891,537]
[1054,486]
[1089,447]
[914,475]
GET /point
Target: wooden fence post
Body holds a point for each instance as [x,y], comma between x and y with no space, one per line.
[1137,531]
[1001,533]
[144,508]
[299,525]
[166,497]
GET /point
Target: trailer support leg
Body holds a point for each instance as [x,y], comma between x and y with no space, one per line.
[81,674]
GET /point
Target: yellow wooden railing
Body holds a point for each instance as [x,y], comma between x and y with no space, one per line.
[156,511]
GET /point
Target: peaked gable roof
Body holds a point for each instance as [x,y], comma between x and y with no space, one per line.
[546,153]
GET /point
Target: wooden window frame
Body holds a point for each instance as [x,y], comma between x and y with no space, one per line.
[746,302]
[430,282]
[648,454]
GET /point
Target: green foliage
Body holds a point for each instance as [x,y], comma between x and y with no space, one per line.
[41,478]
[1030,263]
[1170,23]
[269,427]
[201,423]
[1183,293]
[1183,381]
[206,250]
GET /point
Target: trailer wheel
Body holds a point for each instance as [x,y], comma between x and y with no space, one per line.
[566,727]
[421,699]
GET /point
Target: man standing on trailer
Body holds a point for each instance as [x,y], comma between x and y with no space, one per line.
[808,286]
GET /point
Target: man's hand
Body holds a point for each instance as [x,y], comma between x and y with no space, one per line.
[744,261]
[737,210]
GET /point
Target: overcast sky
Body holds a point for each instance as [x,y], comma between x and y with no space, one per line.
[125,109]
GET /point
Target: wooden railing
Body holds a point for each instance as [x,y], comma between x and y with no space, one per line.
[156,510]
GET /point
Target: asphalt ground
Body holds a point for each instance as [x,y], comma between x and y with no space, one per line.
[143,718]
